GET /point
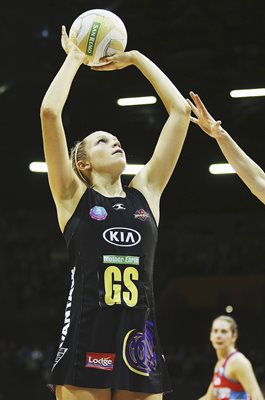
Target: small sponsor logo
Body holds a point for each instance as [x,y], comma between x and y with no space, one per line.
[141,214]
[103,361]
[124,237]
[92,38]
[98,213]
[124,260]
[119,206]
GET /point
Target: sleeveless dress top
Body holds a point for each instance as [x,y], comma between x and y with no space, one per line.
[109,336]
[225,388]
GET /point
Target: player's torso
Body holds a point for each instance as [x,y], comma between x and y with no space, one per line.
[111,243]
[225,388]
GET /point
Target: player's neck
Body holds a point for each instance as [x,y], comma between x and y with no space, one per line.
[107,189]
[224,353]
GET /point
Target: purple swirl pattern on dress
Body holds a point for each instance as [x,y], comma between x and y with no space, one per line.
[140,350]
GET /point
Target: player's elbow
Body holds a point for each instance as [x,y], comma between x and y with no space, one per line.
[186,109]
[183,110]
[48,112]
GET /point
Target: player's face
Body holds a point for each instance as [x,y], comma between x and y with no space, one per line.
[105,153]
[221,335]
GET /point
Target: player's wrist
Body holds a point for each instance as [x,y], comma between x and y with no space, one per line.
[135,57]
[77,56]
[221,135]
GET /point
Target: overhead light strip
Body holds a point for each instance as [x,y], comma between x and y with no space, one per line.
[247,92]
[133,169]
[41,167]
[218,169]
[38,166]
[136,101]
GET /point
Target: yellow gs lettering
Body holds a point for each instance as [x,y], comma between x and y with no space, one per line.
[114,281]
[131,297]
[112,290]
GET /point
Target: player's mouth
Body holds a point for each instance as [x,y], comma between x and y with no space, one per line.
[118,151]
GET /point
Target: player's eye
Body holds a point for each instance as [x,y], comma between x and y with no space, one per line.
[102,140]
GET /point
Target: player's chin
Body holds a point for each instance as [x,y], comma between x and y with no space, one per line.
[117,166]
[218,346]
[121,165]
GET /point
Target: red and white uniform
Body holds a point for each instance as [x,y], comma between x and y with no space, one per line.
[225,388]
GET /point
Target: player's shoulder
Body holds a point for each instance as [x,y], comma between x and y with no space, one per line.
[239,359]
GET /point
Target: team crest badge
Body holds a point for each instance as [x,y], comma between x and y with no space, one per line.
[141,214]
[139,350]
[98,213]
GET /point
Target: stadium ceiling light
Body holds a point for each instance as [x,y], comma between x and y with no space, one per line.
[37,166]
[248,92]
[132,169]
[229,309]
[217,169]
[136,101]
[41,167]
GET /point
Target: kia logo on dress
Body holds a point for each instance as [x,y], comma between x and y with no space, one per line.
[124,237]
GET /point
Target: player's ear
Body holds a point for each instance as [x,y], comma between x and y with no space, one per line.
[84,165]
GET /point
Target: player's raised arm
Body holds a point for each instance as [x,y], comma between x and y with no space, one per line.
[158,170]
[155,175]
[63,182]
[250,173]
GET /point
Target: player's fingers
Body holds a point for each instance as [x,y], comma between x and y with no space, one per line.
[194,120]
[107,67]
[108,59]
[193,108]
[200,104]
[64,33]
[64,37]
[197,101]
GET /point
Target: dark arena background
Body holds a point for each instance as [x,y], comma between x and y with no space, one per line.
[211,254]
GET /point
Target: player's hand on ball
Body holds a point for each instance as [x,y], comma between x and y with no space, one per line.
[68,45]
[204,119]
[117,61]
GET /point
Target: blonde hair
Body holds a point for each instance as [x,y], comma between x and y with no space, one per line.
[230,320]
[77,153]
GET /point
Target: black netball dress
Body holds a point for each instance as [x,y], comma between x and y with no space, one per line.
[109,337]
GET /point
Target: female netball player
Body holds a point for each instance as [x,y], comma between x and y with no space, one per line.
[233,377]
[250,173]
[109,347]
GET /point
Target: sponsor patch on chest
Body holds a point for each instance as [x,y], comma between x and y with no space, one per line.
[119,206]
[98,213]
[141,214]
[120,236]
